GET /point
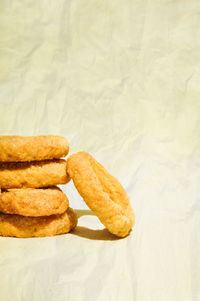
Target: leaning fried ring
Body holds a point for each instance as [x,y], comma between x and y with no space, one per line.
[102,192]
[23,226]
[33,202]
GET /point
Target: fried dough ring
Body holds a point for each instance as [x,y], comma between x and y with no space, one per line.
[23,226]
[33,202]
[103,193]
[33,174]
[32,148]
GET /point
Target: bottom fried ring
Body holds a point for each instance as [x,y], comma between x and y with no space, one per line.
[102,192]
[21,226]
[33,202]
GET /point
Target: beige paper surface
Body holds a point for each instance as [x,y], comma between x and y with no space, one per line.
[120,79]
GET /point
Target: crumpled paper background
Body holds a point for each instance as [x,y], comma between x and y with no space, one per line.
[120,79]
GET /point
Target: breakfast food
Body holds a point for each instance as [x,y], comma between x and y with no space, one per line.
[33,202]
[102,192]
[30,203]
[23,226]
[32,148]
[33,174]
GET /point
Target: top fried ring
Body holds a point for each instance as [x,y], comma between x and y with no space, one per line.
[102,192]
[31,148]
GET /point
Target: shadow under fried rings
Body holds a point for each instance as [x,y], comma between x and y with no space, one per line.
[85,232]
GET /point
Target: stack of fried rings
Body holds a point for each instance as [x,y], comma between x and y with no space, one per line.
[102,192]
[30,203]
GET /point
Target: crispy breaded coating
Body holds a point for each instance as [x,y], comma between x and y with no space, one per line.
[32,148]
[102,192]
[33,174]
[23,226]
[33,202]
